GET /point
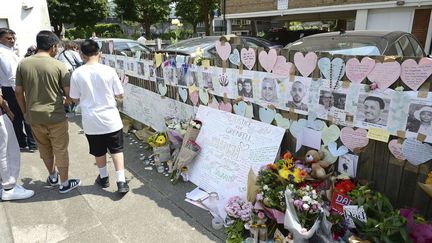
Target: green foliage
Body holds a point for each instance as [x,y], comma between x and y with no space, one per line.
[384,224]
[102,30]
[235,232]
[80,13]
[190,11]
[183,34]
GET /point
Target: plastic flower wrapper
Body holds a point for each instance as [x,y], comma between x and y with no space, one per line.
[186,155]
[303,212]
[419,230]
[192,131]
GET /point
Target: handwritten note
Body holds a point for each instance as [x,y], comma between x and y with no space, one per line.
[354,211]
[413,74]
[378,134]
[231,144]
[310,138]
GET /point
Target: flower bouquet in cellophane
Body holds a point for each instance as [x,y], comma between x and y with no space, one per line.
[158,141]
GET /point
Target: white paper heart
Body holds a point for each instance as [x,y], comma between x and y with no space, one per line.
[297,126]
[248,57]
[162,89]
[385,74]
[330,134]
[235,57]
[267,115]
[204,96]
[328,157]
[357,71]
[332,70]
[223,49]
[268,60]
[282,122]
[305,64]
[183,93]
[240,108]
[416,152]
[316,125]
[335,151]
[282,67]
[396,149]
[413,74]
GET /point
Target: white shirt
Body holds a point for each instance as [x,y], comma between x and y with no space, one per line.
[142,39]
[95,86]
[8,65]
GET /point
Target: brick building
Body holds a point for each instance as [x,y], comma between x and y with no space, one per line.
[412,16]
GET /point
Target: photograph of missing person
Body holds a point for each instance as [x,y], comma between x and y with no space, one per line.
[329,100]
[193,78]
[120,64]
[208,79]
[297,92]
[140,68]
[181,74]
[244,87]
[373,109]
[269,90]
[111,63]
[168,75]
[152,71]
[103,60]
[420,119]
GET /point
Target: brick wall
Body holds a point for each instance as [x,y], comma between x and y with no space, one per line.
[244,6]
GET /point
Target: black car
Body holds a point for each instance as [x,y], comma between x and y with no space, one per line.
[371,43]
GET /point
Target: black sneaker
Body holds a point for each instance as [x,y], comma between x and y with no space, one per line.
[123,187]
[32,149]
[103,182]
[73,183]
[54,182]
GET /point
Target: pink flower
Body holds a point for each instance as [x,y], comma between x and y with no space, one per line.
[261,215]
[373,86]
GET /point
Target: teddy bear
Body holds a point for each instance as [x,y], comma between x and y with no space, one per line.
[314,158]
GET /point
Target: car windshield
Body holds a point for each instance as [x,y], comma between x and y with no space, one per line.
[352,45]
[191,45]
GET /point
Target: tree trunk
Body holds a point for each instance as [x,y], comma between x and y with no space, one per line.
[206,12]
[147,26]
[58,28]
[194,26]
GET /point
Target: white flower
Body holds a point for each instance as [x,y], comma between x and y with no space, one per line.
[306,206]
[198,126]
[175,22]
[306,199]
[265,187]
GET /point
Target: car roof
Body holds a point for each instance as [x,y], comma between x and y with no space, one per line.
[390,36]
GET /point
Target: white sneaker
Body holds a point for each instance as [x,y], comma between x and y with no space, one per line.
[16,193]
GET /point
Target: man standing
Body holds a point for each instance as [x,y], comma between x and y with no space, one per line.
[9,157]
[142,39]
[96,87]
[8,64]
[297,93]
[41,83]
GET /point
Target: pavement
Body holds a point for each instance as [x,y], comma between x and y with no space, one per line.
[154,210]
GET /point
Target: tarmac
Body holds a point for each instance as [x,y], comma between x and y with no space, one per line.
[154,210]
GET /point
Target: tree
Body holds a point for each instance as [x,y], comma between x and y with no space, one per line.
[146,12]
[197,11]
[80,13]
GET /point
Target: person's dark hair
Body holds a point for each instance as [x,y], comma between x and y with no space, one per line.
[247,81]
[89,48]
[6,31]
[46,39]
[377,99]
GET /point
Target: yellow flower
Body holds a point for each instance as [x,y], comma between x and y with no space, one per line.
[160,140]
[429,178]
[298,175]
[284,172]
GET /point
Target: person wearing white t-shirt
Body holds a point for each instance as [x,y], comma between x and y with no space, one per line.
[96,87]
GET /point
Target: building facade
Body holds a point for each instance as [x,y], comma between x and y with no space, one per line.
[413,16]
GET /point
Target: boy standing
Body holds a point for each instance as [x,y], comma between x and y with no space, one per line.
[96,87]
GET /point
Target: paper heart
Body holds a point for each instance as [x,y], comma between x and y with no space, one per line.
[357,71]
[214,104]
[235,57]
[223,49]
[158,59]
[183,93]
[335,151]
[248,57]
[240,108]
[316,125]
[204,96]
[330,134]
[282,67]
[267,60]
[266,115]
[354,139]
[194,97]
[396,149]
[297,126]
[162,89]
[416,152]
[225,106]
[249,111]
[282,122]
[305,64]
[328,157]
[385,74]
[332,70]
[413,74]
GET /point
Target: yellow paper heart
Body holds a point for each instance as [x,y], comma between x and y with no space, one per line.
[158,59]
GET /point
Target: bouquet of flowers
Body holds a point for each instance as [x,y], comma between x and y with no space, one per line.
[304,206]
[239,212]
[176,129]
[158,139]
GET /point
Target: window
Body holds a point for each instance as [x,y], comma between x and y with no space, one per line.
[418,50]
[394,50]
[407,49]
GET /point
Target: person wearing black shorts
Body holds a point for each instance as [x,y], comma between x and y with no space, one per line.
[96,87]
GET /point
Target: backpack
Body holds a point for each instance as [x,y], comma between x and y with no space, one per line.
[74,65]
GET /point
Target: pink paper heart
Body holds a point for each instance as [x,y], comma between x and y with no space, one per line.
[223,49]
[194,97]
[413,74]
[357,71]
[354,139]
[305,64]
[282,67]
[248,57]
[214,104]
[225,107]
[396,149]
[385,74]
[268,60]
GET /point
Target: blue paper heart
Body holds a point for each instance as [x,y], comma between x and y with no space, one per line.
[266,115]
[335,151]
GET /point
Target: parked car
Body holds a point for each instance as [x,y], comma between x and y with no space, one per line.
[123,45]
[372,43]
[207,44]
